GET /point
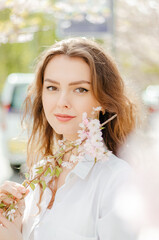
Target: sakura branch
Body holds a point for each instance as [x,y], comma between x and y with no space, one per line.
[48,170]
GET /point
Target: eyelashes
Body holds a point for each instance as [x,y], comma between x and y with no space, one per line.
[51,88]
[77,90]
[81,90]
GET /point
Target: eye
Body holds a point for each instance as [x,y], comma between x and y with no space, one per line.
[51,88]
[81,90]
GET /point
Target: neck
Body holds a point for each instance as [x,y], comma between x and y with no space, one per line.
[70,138]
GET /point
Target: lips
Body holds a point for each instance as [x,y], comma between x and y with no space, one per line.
[64,117]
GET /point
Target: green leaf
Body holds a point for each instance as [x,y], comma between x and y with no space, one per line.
[12,206]
[60,161]
[53,172]
[32,186]
[47,172]
[2,205]
[40,170]
[10,196]
[27,175]
[25,183]
[35,181]
[43,184]
[41,167]
[58,171]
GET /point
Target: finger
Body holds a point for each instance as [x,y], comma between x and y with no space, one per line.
[19,214]
[26,193]
[18,221]
[8,186]
[18,186]
[12,190]
[5,199]
[21,206]
[8,199]
[4,221]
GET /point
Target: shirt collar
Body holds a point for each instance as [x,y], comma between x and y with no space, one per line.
[84,166]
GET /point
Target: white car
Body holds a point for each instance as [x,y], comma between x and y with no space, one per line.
[13,95]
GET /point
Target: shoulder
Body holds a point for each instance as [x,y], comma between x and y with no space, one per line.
[111,168]
[113,175]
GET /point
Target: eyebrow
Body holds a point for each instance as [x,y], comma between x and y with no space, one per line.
[70,84]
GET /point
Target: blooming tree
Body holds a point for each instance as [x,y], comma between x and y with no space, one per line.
[137,40]
[136,28]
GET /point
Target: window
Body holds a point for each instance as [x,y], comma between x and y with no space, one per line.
[19,95]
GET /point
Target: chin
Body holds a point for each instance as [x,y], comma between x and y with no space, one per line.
[70,133]
[62,131]
[65,129]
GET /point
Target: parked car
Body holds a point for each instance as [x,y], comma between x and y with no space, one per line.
[151,98]
[13,95]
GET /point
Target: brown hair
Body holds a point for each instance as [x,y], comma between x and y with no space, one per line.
[107,86]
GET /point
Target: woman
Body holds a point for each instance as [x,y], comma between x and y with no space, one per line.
[74,76]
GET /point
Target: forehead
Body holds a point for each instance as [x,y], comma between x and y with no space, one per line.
[64,66]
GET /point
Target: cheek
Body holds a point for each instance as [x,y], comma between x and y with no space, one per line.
[47,105]
[44,103]
[87,106]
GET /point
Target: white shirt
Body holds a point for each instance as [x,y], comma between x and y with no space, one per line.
[84,206]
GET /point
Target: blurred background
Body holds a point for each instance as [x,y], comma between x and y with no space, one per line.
[127,29]
[129,32]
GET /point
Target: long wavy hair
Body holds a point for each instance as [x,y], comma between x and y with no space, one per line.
[107,86]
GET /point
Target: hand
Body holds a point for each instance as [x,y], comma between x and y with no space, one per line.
[9,230]
[18,192]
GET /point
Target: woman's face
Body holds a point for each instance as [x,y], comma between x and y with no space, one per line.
[67,93]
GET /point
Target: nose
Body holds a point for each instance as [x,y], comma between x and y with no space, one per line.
[63,100]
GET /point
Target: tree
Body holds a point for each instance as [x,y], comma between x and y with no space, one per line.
[27,26]
[137,40]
